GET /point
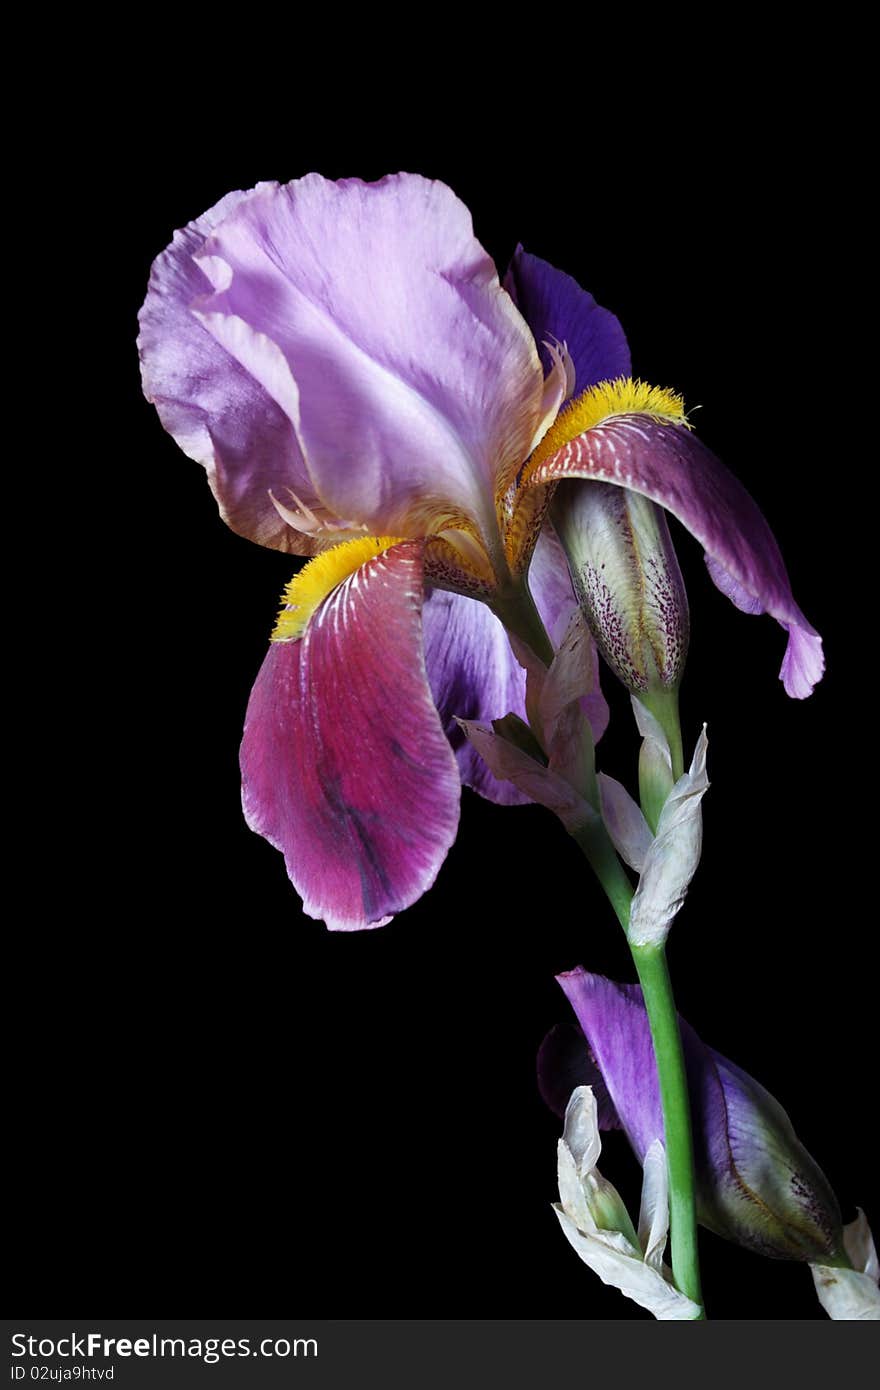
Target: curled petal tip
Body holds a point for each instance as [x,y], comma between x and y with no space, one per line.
[804,662]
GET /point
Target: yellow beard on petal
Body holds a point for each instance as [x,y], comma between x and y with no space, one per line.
[319,578]
[624,396]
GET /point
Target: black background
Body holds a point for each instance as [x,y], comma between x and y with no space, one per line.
[220,1106]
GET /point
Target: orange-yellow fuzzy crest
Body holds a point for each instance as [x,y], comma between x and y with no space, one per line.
[624,396]
[319,578]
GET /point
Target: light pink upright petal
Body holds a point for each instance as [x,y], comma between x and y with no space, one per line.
[550,585]
[419,384]
[345,765]
[217,411]
[667,463]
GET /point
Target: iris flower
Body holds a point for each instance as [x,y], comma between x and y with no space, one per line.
[360,388]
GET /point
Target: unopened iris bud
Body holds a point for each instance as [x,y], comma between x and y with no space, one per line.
[756,1183]
[626,576]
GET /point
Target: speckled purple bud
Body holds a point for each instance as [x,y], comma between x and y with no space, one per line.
[626,576]
[756,1183]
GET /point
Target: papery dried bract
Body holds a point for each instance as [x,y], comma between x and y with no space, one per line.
[597,1225]
[851,1295]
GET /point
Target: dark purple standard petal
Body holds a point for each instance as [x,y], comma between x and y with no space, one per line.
[555,306]
[564,1063]
[670,465]
[345,765]
[756,1184]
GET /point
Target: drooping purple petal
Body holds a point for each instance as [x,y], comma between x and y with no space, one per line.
[724,580]
[345,765]
[414,385]
[554,306]
[615,1026]
[217,411]
[668,464]
[756,1184]
[803,663]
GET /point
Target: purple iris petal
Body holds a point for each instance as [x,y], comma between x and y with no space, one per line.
[474,674]
[412,382]
[670,465]
[216,410]
[554,306]
[345,765]
[756,1184]
[724,580]
[804,663]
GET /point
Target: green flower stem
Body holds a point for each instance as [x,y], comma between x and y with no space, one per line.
[596,845]
[664,707]
[518,613]
[650,962]
[655,783]
[515,608]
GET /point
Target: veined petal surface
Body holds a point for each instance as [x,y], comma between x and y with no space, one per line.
[474,675]
[215,409]
[418,387]
[669,464]
[345,765]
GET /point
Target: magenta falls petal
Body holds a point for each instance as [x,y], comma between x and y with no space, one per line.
[345,765]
